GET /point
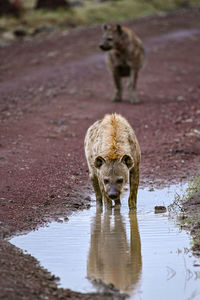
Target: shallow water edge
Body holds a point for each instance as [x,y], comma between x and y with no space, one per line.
[143,254]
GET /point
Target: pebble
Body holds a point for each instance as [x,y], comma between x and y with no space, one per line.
[160,209]
[9,36]
[180,99]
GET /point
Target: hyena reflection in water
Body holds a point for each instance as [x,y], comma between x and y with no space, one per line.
[114,257]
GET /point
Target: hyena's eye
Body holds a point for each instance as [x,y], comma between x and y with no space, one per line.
[106,181]
[119,181]
[110,39]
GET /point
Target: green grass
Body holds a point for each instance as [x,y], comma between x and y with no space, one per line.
[119,11]
[91,13]
[193,187]
[190,217]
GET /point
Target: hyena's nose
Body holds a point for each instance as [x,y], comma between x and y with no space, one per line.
[113,194]
[101,46]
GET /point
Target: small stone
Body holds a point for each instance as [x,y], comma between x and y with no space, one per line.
[60,221]
[160,209]
[188,121]
[196,265]
[8,36]
[52,53]
[197,132]
[180,99]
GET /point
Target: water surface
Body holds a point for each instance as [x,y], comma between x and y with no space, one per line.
[143,254]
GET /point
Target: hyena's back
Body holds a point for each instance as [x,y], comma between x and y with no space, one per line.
[112,137]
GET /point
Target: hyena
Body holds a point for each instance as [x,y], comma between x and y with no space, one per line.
[113,156]
[125,57]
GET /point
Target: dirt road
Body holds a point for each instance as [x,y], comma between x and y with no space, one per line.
[51,89]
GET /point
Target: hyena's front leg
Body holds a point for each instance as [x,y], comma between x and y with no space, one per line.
[97,190]
[134,182]
[133,83]
[118,85]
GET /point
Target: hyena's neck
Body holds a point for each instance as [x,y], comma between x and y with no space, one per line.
[121,44]
[120,48]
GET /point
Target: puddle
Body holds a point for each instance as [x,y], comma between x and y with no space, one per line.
[144,254]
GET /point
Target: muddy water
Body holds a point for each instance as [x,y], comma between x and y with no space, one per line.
[143,254]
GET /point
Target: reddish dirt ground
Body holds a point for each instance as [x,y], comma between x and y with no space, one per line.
[52,88]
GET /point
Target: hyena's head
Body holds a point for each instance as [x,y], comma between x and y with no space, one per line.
[111,36]
[113,175]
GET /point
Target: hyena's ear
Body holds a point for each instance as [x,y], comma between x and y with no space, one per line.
[119,29]
[127,160]
[99,161]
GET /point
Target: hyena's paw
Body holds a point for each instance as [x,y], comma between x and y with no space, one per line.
[116,99]
[108,203]
[99,200]
[133,97]
[117,204]
[135,100]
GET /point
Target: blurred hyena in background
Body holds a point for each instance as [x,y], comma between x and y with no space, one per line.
[125,57]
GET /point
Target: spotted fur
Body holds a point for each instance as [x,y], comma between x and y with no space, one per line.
[112,151]
[125,57]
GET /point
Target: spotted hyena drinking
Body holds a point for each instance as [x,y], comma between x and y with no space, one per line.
[113,156]
[125,57]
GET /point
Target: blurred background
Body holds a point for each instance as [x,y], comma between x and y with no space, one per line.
[29,17]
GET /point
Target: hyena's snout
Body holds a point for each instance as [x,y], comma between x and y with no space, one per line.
[113,193]
[105,45]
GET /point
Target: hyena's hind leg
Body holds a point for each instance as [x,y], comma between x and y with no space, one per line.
[118,86]
[132,85]
[97,190]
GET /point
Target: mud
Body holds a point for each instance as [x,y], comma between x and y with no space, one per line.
[52,89]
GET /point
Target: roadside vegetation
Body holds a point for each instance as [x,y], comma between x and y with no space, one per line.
[85,12]
[189,218]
